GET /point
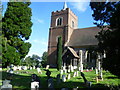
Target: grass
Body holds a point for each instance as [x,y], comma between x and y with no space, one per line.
[23,79]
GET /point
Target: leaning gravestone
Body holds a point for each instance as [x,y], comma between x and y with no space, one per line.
[50,83]
[6,85]
[63,78]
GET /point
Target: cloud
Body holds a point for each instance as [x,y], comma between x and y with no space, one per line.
[80,5]
[38,20]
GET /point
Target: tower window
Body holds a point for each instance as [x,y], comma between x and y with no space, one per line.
[72,24]
[59,21]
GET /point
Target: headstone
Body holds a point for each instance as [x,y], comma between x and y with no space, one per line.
[35,78]
[99,65]
[61,72]
[33,67]
[30,68]
[96,71]
[65,70]
[74,74]
[35,85]
[58,78]
[63,78]
[91,68]
[81,68]
[39,70]
[64,67]
[14,68]
[68,76]
[77,73]
[50,83]
[6,85]
[47,67]
[68,70]
[72,69]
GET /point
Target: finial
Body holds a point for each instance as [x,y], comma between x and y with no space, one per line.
[65,5]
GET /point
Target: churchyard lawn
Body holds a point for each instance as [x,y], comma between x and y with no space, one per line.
[22,79]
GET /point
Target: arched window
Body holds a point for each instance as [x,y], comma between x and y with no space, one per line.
[59,21]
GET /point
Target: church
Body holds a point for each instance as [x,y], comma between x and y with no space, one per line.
[75,40]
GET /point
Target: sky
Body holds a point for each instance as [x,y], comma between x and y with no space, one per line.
[41,17]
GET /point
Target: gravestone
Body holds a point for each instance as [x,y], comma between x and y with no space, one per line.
[47,67]
[33,67]
[6,85]
[58,79]
[61,72]
[91,68]
[50,83]
[77,73]
[35,85]
[74,74]
[96,71]
[65,70]
[30,68]
[14,68]
[63,78]
[68,76]
[72,69]
[35,78]
[39,70]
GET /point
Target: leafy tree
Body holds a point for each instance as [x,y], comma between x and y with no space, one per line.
[36,59]
[107,17]
[1,33]
[59,53]
[16,30]
[44,59]
[28,61]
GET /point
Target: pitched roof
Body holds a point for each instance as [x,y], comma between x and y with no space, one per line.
[84,36]
[73,52]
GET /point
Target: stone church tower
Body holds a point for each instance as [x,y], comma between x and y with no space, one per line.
[63,24]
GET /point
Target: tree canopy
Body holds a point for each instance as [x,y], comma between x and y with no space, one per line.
[107,17]
[44,59]
[16,29]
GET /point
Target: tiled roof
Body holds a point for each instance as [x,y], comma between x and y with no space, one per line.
[84,36]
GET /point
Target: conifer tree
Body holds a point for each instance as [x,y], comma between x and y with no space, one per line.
[59,53]
[16,28]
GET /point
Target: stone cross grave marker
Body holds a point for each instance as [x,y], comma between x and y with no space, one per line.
[6,85]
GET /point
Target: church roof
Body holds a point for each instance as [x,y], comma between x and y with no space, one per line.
[84,37]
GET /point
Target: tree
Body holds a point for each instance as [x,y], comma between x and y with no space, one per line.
[107,17]
[28,61]
[59,53]
[36,59]
[44,59]
[16,30]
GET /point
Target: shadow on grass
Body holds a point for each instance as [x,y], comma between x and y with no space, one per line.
[112,77]
[24,82]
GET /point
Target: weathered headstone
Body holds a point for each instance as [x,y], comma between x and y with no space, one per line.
[35,85]
[35,78]
[47,67]
[6,85]
[91,68]
[68,77]
[33,67]
[65,70]
[77,73]
[63,78]
[74,75]
[50,83]
[39,70]
[72,69]
[96,71]
[61,72]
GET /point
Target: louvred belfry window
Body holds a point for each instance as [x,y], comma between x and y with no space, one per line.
[59,21]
